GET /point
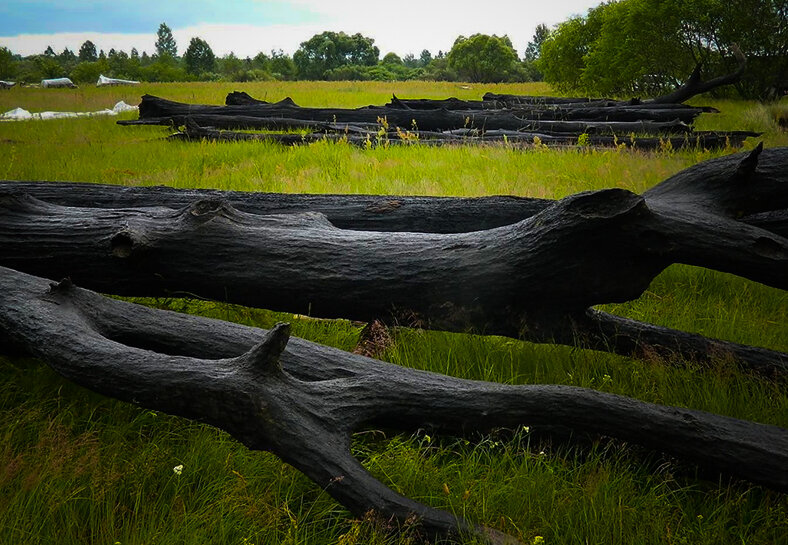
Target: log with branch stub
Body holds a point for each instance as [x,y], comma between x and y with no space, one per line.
[534,279]
[302,401]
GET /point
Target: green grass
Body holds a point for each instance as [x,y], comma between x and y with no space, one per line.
[76,467]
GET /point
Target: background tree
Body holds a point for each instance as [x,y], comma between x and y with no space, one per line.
[165,42]
[282,65]
[8,69]
[533,51]
[642,47]
[483,58]
[49,52]
[330,50]
[87,52]
[199,57]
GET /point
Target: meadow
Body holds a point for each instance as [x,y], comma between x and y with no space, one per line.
[77,467]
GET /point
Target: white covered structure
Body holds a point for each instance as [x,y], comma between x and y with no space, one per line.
[57,82]
[6,84]
[20,114]
[104,81]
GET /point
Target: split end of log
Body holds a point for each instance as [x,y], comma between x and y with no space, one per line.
[264,356]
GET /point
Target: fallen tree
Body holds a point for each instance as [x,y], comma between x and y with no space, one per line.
[697,140]
[153,107]
[302,401]
[543,126]
[534,279]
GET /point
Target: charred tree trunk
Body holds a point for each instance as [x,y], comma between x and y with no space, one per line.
[533,279]
[695,86]
[697,140]
[541,126]
[433,120]
[302,401]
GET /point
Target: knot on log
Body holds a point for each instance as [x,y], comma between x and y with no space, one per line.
[122,244]
[264,356]
[64,286]
[208,209]
[606,204]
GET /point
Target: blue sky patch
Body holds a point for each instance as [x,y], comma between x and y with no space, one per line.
[116,16]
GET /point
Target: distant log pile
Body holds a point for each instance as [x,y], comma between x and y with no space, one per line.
[661,123]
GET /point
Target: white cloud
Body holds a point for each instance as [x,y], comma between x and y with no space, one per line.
[405,26]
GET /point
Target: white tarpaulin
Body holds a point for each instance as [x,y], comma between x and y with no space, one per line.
[103,80]
[6,84]
[57,82]
[19,114]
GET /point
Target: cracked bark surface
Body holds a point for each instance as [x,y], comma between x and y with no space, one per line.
[534,279]
[302,401]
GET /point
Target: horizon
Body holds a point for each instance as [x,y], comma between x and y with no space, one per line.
[248,27]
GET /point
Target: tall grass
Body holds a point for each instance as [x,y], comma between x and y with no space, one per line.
[76,467]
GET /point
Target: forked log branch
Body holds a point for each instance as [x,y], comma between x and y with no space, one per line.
[534,279]
[302,401]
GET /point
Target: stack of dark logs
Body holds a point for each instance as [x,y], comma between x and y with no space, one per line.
[520,267]
[662,123]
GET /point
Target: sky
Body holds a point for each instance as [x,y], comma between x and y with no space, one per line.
[247,27]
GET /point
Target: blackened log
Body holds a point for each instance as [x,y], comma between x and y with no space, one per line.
[237,98]
[530,279]
[437,120]
[695,86]
[696,140]
[302,401]
[356,212]
[542,126]
[248,122]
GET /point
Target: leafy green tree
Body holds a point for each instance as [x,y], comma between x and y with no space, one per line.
[282,66]
[231,67]
[483,58]
[425,58]
[532,51]
[199,57]
[391,58]
[49,52]
[8,68]
[119,64]
[645,47]
[329,50]
[165,42]
[48,67]
[87,52]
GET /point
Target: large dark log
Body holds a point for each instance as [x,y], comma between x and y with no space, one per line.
[356,212]
[303,401]
[155,107]
[532,279]
[542,126]
[697,140]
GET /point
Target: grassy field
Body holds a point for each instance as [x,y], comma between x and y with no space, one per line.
[76,467]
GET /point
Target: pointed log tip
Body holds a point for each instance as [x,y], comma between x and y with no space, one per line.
[748,165]
[264,356]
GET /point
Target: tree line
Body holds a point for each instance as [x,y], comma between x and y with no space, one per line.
[624,48]
[325,56]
